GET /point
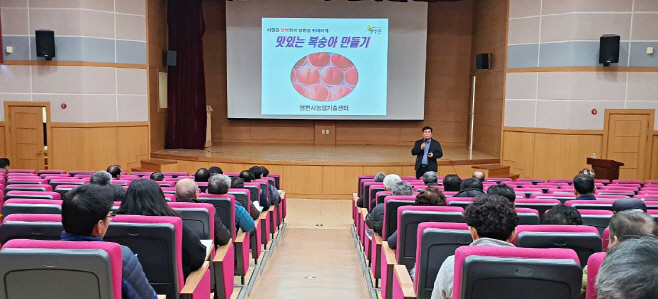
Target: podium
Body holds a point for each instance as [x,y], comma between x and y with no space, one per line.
[605,169]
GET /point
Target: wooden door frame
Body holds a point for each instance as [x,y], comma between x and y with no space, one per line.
[8,147]
[650,130]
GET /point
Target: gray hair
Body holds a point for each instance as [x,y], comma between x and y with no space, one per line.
[102,178]
[402,188]
[219,184]
[430,178]
[186,189]
[631,223]
[630,270]
[390,180]
[379,177]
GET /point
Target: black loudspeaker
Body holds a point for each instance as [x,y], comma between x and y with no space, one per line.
[483,61]
[169,58]
[45,43]
[609,49]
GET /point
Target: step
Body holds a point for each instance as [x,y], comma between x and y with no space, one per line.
[159,165]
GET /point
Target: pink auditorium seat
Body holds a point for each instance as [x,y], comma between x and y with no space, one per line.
[598,204]
[33,194]
[98,278]
[29,187]
[121,182]
[593,266]
[605,239]
[170,190]
[596,218]
[203,227]
[31,206]
[541,205]
[141,173]
[175,173]
[638,182]
[26,180]
[533,181]
[31,226]
[83,172]
[567,181]
[166,183]
[170,197]
[527,216]
[52,172]
[32,171]
[651,182]
[130,177]
[583,239]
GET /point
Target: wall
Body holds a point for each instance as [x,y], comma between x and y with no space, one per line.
[99,72]
[553,79]
[446,94]
[157,42]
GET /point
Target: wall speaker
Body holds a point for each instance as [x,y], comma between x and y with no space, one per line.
[483,61]
[45,40]
[609,49]
[169,58]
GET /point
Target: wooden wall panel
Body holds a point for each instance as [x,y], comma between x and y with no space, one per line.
[303,179]
[518,148]
[344,178]
[654,157]
[156,43]
[3,150]
[446,92]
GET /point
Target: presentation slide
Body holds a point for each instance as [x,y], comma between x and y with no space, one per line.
[324,66]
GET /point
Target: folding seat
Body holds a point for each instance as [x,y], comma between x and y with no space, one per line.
[365,192]
[533,181]
[634,182]
[277,180]
[541,205]
[596,218]
[33,194]
[50,177]
[498,180]
[130,177]
[141,173]
[120,182]
[31,206]
[43,173]
[598,204]
[166,183]
[26,180]
[82,176]
[170,197]
[450,193]
[528,191]
[614,194]
[567,181]
[82,172]
[651,182]
[605,239]
[602,181]
[462,202]
[31,226]
[62,189]
[646,197]
[28,187]
[361,182]
[561,197]
[168,190]
[22,171]
[199,217]
[371,196]
[175,173]
[74,269]
[157,240]
[232,174]
[527,216]
[203,186]
[407,177]
[70,181]
[583,239]
[651,204]
[593,266]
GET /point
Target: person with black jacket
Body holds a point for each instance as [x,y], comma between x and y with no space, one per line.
[471,188]
[188,191]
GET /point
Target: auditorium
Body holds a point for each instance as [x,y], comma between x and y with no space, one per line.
[355,149]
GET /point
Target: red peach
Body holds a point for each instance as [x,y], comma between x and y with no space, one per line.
[299,88]
[319,59]
[332,76]
[339,92]
[293,75]
[352,77]
[301,62]
[308,74]
[317,92]
[341,61]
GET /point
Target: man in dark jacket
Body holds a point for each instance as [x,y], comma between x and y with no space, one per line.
[471,188]
[584,187]
[426,150]
[188,191]
[86,217]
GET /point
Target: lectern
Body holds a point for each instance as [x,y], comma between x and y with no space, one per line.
[605,169]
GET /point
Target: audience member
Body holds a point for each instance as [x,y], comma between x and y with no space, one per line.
[379,177]
[503,190]
[157,176]
[115,171]
[451,183]
[145,197]
[104,178]
[257,172]
[624,204]
[629,270]
[274,193]
[471,188]
[375,219]
[563,215]
[4,163]
[86,217]
[201,175]
[587,171]
[237,182]
[188,191]
[215,170]
[390,180]
[584,187]
[479,175]
[220,184]
[247,176]
[430,178]
[432,196]
[492,221]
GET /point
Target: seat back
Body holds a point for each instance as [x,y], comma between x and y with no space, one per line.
[199,217]
[435,242]
[156,240]
[583,239]
[242,197]
[62,189]
[33,194]
[61,269]
[70,181]
[596,218]
[175,174]
[28,187]
[31,226]
[516,273]
[31,206]
[372,193]
[254,191]
[590,204]
[391,205]
[409,217]
[541,205]
[593,266]
[224,207]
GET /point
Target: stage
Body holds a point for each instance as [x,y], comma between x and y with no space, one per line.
[315,171]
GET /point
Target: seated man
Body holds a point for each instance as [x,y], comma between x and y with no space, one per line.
[584,187]
[432,196]
[471,188]
[86,217]
[479,175]
[4,164]
[492,221]
[104,178]
[188,191]
[504,191]
[215,170]
[115,171]
[375,219]
[451,183]
[390,180]
[274,194]
[379,177]
[430,179]
[563,215]
[629,270]
[201,175]
[219,184]
[251,175]
[157,176]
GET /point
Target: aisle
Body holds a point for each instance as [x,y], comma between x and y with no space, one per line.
[318,262]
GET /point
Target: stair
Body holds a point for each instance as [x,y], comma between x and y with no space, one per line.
[496,171]
[157,165]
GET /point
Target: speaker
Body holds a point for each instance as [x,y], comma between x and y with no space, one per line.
[483,61]
[609,49]
[169,58]
[45,43]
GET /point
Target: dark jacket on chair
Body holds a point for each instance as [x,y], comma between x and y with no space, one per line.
[375,219]
[470,192]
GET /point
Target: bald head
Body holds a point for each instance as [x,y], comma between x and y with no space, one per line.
[479,175]
[186,189]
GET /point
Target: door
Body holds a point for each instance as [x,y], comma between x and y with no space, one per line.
[26,137]
[628,139]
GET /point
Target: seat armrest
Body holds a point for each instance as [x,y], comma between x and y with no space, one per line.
[195,280]
[220,254]
[389,254]
[364,212]
[162,296]
[378,238]
[263,215]
[403,288]
[239,238]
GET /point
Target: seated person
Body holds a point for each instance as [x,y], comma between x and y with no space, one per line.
[432,196]
[471,188]
[145,197]
[219,184]
[188,191]
[157,176]
[115,171]
[479,175]
[375,219]
[584,187]
[4,164]
[215,170]
[251,175]
[390,180]
[257,172]
[452,183]
[503,190]
[237,182]
[201,175]
[563,215]
[104,178]
[379,177]
[624,204]
[430,178]
[86,217]
[492,221]
[274,194]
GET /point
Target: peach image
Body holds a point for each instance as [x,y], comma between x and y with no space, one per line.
[301,62]
[332,76]
[319,59]
[339,92]
[341,61]
[299,88]
[317,92]
[324,76]
[293,75]
[308,74]
[352,77]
